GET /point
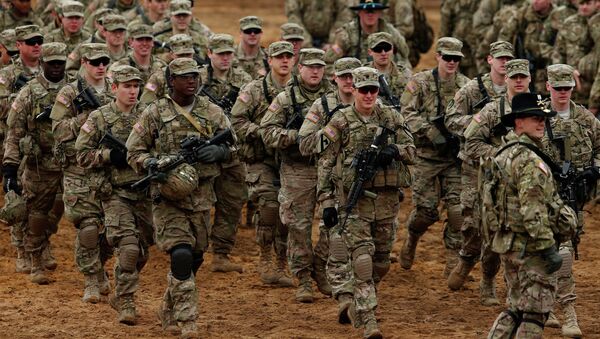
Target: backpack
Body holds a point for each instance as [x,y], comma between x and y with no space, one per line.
[423,32]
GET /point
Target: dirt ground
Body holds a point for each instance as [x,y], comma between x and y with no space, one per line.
[412,304]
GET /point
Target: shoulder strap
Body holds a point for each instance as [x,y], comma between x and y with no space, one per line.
[325,105]
[553,166]
[502,106]
[436,79]
[482,90]
[191,119]
[266,90]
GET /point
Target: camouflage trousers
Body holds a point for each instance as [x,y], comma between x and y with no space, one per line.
[181,298]
[128,221]
[434,181]
[297,199]
[232,192]
[270,231]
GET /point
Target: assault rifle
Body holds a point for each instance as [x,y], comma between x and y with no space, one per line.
[485,95]
[111,142]
[452,142]
[226,103]
[45,114]
[190,146]
[85,99]
[297,119]
[386,93]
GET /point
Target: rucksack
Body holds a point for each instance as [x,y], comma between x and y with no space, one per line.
[423,32]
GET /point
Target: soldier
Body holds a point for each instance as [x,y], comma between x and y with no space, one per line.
[71,33]
[319,19]
[528,215]
[250,56]
[140,57]
[483,137]
[396,75]
[154,11]
[30,140]
[294,34]
[457,21]
[423,104]
[84,188]
[128,213]
[467,102]
[351,38]
[279,130]
[185,195]
[556,19]
[221,82]
[115,26]
[368,231]
[263,172]
[8,46]
[180,23]
[94,24]
[18,14]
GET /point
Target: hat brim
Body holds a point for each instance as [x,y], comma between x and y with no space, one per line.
[187,71]
[130,78]
[453,53]
[145,35]
[70,14]
[54,58]
[342,72]
[502,54]
[508,120]
[31,35]
[513,73]
[292,37]
[97,56]
[366,83]
[283,51]
[223,50]
[311,62]
[378,42]
[250,26]
[181,11]
[369,6]
[183,51]
[115,27]
[570,83]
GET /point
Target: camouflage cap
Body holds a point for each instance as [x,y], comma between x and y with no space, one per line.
[221,43]
[71,8]
[561,75]
[379,37]
[517,66]
[280,47]
[248,22]
[181,44]
[181,7]
[54,51]
[8,39]
[501,49]
[93,50]
[123,73]
[181,66]
[100,13]
[345,65]
[113,22]
[139,30]
[312,56]
[365,76]
[449,46]
[27,32]
[292,31]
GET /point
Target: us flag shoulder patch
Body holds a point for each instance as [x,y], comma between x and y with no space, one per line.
[477,117]
[151,86]
[331,133]
[244,97]
[313,117]
[62,100]
[87,128]
[139,128]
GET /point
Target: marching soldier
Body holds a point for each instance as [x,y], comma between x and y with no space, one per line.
[250,56]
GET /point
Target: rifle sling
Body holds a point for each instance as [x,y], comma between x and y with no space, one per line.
[204,131]
[266,90]
[436,79]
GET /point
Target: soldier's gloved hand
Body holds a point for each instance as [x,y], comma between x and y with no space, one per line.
[552,259]
[387,155]
[118,158]
[212,153]
[10,179]
[591,174]
[330,217]
[150,163]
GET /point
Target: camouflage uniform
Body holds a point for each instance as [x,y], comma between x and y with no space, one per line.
[183,224]
[434,163]
[555,21]
[367,237]
[83,189]
[319,19]
[591,61]
[457,21]
[256,65]
[163,30]
[9,20]
[68,9]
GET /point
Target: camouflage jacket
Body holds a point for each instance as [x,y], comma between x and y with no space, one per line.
[457,20]
[58,35]
[155,66]
[255,66]
[320,19]
[12,78]
[400,14]
[236,78]
[9,20]
[504,26]
[572,42]
[156,86]
[555,22]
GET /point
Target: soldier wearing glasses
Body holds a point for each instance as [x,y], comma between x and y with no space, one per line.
[251,57]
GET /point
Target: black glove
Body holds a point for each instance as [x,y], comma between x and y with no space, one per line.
[10,179]
[330,217]
[387,155]
[118,158]
[552,259]
[150,164]
[212,153]
[591,174]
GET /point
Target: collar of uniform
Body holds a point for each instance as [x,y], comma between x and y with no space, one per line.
[49,84]
[271,82]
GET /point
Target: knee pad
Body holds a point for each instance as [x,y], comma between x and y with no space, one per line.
[337,248]
[269,215]
[538,319]
[421,218]
[197,261]
[88,235]
[566,269]
[38,223]
[455,217]
[181,261]
[129,251]
[363,264]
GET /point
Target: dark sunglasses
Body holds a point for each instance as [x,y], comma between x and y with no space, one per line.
[382,48]
[34,41]
[96,62]
[562,89]
[368,89]
[449,58]
[252,31]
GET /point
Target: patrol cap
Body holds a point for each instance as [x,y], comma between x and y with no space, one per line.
[221,43]
[8,39]
[560,75]
[502,49]
[280,47]
[27,32]
[449,46]
[312,56]
[248,22]
[123,73]
[292,31]
[181,66]
[139,30]
[345,65]
[517,66]
[181,44]
[54,51]
[369,4]
[181,7]
[113,22]
[100,13]
[526,105]
[94,50]
[379,37]
[71,8]
[365,76]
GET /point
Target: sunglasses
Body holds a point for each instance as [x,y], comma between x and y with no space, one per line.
[97,62]
[252,31]
[34,41]
[368,89]
[382,48]
[449,58]
[562,89]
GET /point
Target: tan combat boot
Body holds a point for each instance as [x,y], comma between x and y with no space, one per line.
[304,293]
[570,328]
[283,277]
[103,283]
[407,253]
[23,262]
[318,274]
[37,270]
[451,261]
[552,321]
[371,329]
[459,274]
[127,313]
[48,259]
[487,291]
[267,273]
[189,330]
[91,293]
[221,263]
[345,301]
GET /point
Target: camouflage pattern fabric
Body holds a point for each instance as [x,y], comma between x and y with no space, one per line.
[319,19]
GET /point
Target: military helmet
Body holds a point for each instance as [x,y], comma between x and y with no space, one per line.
[180,183]
[14,209]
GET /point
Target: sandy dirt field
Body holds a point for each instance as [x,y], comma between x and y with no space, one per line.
[413,304]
